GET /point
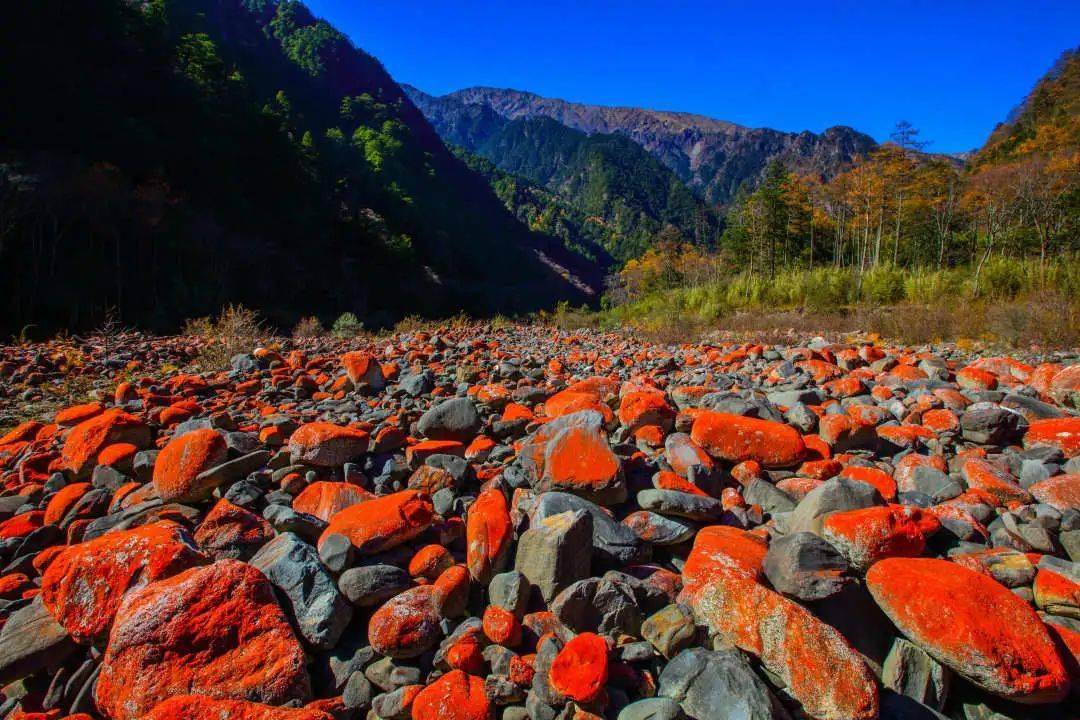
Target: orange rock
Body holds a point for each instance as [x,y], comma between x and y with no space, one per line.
[973,378]
[180,462]
[363,370]
[429,562]
[86,584]
[1061,491]
[214,631]
[64,499]
[488,535]
[989,635]
[813,660]
[1063,433]
[87,439]
[501,626]
[580,670]
[325,499]
[454,696]
[874,477]
[736,438]
[578,460]
[720,548]
[200,707]
[72,416]
[982,475]
[870,534]
[327,445]
[407,624]
[681,453]
[645,407]
[230,531]
[384,522]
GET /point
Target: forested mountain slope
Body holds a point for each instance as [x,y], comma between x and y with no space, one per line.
[167,157]
[713,157]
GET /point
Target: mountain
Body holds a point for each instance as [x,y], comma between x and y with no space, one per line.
[713,157]
[165,157]
[1046,123]
[626,195]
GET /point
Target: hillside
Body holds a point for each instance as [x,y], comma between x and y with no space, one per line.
[628,194]
[713,157]
[1047,122]
[166,158]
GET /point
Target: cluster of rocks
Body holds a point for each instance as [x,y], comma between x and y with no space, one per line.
[515,523]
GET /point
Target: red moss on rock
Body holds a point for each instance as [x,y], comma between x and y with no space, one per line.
[200,707]
[407,625]
[488,535]
[1063,433]
[736,438]
[870,534]
[87,439]
[214,631]
[454,696]
[1061,491]
[384,522]
[988,634]
[86,584]
[183,459]
[580,670]
[324,499]
[327,445]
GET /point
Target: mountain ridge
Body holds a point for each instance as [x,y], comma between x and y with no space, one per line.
[713,157]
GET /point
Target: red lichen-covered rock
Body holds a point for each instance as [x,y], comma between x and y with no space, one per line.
[87,439]
[1064,386]
[454,696]
[488,535]
[64,499]
[327,445]
[719,549]
[904,475]
[578,460]
[736,438]
[215,631]
[183,459]
[429,562]
[645,407]
[865,536]
[200,707]
[1060,491]
[682,453]
[991,479]
[580,670]
[816,663]
[85,585]
[72,416]
[973,378]
[1063,433]
[363,370]
[230,531]
[325,499]
[384,522]
[1057,588]
[407,625]
[971,623]
[872,476]
[501,626]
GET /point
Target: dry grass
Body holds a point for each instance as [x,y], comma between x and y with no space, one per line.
[309,327]
[235,330]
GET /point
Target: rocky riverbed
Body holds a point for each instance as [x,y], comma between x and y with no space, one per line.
[518,522]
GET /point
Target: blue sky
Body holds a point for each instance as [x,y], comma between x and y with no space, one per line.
[953,69]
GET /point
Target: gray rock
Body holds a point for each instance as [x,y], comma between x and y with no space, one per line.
[989,424]
[454,419]
[613,544]
[509,591]
[31,641]
[910,671]
[234,469]
[293,566]
[833,495]
[656,708]
[670,630]
[803,566]
[552,553]
[771,499]
[718,685]
[357,693]
[371,585]
[598,605]
[680,504]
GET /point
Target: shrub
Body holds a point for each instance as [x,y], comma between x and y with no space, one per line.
[308,327]
[347,326]
[236,330]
